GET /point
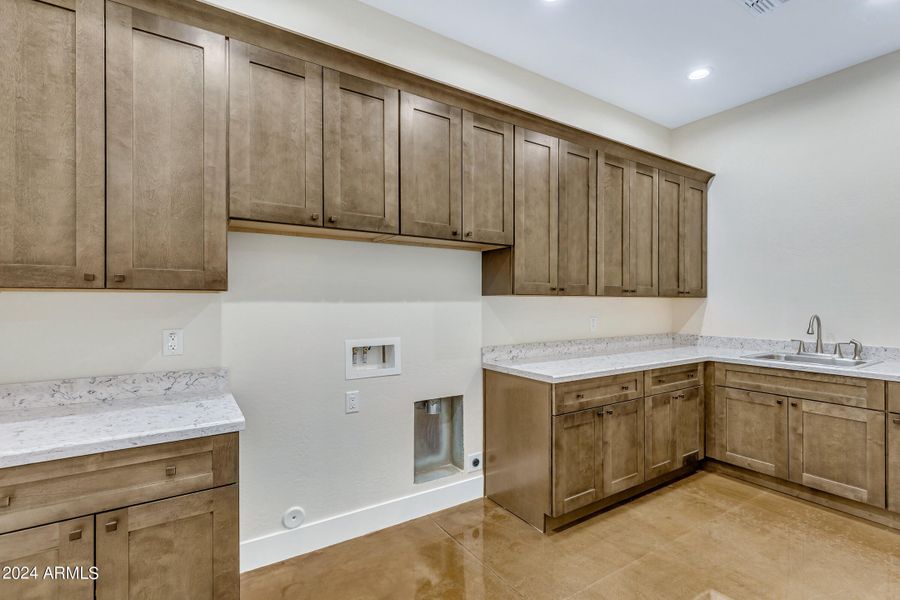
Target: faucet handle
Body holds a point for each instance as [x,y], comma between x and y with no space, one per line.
[801,346]
[857,349]
[838,351]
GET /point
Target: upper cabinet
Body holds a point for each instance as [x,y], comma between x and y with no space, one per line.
[682,236]
[430,175]
[51,144]
[166,163]
[537,205]
[275,136]
[577,220]
[628,251]
[487,184]
[361,154]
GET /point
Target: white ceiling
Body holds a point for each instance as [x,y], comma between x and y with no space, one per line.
[636,54]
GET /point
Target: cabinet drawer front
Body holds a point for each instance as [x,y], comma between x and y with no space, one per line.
[581,395]
[893,395]
[56,490]
[669,379]
[835,389]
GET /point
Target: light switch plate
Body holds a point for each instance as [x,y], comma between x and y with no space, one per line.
[173,342]
[594,324]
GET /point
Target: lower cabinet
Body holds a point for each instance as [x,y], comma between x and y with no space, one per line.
[184,547]
[26,556]
[577,460]
[826,446]
[156,521]
[673,431]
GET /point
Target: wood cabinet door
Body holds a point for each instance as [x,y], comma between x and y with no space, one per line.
[275,136]
[67,544]
[577,464]
[430,168]
[183,547]
[623,446]
[643,223]
[692,239]
[487,185]
[660,426]
[577,220]
[893,469]
[752,430]
[51,144]
[166,164]
[537,217]
[362,147]
[612,262]
[838,449]
[671,194]
[689,426]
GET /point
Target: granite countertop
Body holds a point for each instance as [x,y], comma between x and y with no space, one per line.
[559,362]
[74,417]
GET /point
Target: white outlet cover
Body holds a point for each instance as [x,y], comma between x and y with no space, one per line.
[594,324]
[470,462]
[173,342]
[351,402]
[293,517]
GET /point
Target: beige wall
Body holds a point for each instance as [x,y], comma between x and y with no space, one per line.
[804,211]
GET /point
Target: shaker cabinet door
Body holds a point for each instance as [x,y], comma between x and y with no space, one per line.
[577,460]
[623,446]
[537,205]
[487,184]
[183,547]
[362,147]
[166,164]
[51,144]
[752,430]
[430,171]
[68,544]
[577,220]
[274,137]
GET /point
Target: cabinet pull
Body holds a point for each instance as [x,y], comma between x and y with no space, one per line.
[626,388]
[793,404]
[579,396]
[89,277]
[314,217]
[332,219]
[112,526]
[468,234]
[552,289]
[779,401]
[562,289]
[896,422]
[692,375]
[5,501]
[609,412]
[75,535]
[119,277]
[170,471]
[454,233]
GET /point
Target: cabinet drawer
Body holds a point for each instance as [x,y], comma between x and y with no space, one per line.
[893,396]
[669,379]
[836,389]
[61,489]
[580,395]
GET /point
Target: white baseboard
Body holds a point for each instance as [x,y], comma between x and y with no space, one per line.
[282,545]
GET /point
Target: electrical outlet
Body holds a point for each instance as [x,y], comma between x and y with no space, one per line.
[595,324]
[173,342]
[351,402]
[474,463]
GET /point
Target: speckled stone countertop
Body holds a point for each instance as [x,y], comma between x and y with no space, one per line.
[559,362]
[74,417]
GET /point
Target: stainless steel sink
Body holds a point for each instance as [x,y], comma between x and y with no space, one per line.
[825,360]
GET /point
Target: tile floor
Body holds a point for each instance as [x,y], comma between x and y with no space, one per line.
[704,537]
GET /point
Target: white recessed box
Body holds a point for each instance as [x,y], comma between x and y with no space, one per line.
[374,357]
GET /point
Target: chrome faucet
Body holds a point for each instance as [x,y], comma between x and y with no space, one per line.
[815,323]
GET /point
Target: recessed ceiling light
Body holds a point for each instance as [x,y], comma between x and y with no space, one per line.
[698,74]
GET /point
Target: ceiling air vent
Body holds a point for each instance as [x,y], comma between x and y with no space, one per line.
[762,7]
